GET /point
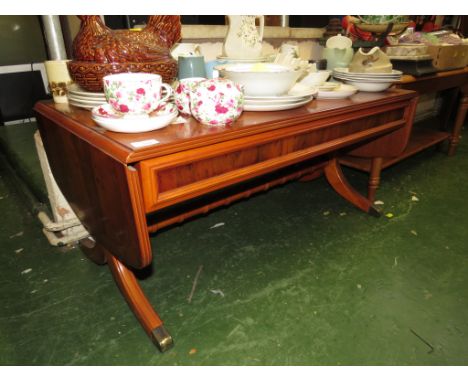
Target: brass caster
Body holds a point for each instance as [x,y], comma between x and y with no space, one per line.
[374,212]
[162,339]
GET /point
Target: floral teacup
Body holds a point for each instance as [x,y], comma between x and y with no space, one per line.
[182,90]
[217,101]
[135,93]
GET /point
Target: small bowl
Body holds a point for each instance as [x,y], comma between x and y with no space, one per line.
[261,79]
[370,86]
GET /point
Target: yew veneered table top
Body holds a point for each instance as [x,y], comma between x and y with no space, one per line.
[178,137]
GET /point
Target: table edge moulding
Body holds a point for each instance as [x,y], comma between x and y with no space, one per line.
[122,193]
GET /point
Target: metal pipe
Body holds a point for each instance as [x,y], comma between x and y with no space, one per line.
[54,37]
[284,20]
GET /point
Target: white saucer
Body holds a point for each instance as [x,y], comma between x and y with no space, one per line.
[105,116]
[343,91]
[279,105]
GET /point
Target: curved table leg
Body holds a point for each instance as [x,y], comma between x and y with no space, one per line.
[339,183]
[138,303]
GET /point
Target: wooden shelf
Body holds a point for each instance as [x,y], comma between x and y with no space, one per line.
[421,139]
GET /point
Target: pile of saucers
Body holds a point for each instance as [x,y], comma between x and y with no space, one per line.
[367,82]
[84,99]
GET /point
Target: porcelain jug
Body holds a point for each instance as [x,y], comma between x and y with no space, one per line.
[338,52]
[185,49]
[243,40]
[338,58]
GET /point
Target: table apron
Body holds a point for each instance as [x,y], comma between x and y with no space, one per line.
[185,175]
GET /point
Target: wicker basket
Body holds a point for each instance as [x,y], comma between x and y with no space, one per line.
[381,28]
[89,75]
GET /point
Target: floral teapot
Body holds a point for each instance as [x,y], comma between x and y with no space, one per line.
[243,40]
[214,102]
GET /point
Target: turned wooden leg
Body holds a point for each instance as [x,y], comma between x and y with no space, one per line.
[374,178]
[138,303]
[460,118]
[337,180]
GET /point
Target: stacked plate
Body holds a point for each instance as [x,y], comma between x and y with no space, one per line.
[84,99]
[282,102]
[367,82]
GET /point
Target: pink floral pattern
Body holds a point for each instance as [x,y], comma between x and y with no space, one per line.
[136,95]
[217,102]
[182,92]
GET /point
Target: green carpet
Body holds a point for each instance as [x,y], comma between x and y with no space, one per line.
[295,276]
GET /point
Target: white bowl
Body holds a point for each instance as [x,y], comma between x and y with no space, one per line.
[260,79]
[316,78]
[370,86]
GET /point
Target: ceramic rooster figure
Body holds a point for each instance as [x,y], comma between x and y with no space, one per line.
[99,50]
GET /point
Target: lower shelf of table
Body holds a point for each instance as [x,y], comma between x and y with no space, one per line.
[420,139]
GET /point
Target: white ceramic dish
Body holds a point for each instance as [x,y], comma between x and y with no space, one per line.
[342,91]
[278,106]
[75,89]
[315,78]
[285,97]
[87,102]
[363,79]
[260,79]
[274,101]
[394,73]
[105,116]
[86,98]
[370,86]
[83,106]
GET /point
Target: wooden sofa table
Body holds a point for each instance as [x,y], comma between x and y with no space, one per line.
[125,186]
[455,84]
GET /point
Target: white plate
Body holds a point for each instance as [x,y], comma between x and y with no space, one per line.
[75,89]
[394,73]
[82,105]
[140,124]
[260,102]
[277,106]
[84,98]
[369,80]
[343,91]
[284,98]
[96,102]
[370,86]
